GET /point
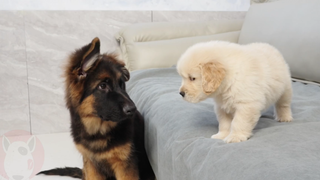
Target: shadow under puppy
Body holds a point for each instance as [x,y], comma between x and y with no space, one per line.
[244,80]
[106,127]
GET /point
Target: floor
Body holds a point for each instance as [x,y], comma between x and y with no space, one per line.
[24,156]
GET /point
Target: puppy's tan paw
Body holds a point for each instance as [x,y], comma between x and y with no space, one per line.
[220,135]
[234,138]
[283,115]
[286,119]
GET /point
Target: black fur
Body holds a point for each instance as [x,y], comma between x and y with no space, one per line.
[67,171]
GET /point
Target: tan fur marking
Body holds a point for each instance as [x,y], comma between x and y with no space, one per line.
[94,84]
[84,151]
[90,171]
[90,121]
[91,124]
[106,126]
[212,75]
[95,124]
[75,93]
[104,76]
[118,158]
[86,107]
[101,77]
[119,153]
[99,143]
[125,171]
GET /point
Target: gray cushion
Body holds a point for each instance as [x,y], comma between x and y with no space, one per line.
[292,26]
[180,148]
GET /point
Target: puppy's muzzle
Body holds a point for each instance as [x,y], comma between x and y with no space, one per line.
[182,93]
[129,109]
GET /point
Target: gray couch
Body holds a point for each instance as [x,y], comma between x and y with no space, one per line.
[178,133]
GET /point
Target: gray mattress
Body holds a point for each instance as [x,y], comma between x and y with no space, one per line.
[180,148]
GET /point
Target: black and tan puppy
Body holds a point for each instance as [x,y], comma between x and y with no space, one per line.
[106,127]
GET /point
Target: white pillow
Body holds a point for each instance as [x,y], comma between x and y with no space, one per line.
[155,45]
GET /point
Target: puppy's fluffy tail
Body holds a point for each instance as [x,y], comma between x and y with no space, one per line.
[67,171]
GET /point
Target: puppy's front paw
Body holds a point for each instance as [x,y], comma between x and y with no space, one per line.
[284,120]
[284,115]
[234,138]
[220,135]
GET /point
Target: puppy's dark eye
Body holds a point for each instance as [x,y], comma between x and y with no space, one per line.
[192,78]
[103,85]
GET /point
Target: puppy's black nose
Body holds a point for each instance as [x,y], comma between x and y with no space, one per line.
[182,93]
[129,109]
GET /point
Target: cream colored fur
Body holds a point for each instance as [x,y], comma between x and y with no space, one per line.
[244,80]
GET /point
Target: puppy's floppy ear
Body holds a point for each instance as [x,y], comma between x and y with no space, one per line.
[212,75]
[89,57]
[126,73]
[122,65]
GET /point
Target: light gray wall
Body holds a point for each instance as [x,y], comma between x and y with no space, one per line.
[34,46]
[159,5]
[262,1]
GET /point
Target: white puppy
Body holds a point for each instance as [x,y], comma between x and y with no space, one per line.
[244,80]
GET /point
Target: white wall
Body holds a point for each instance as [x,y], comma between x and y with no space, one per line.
[34,45]
[172,5]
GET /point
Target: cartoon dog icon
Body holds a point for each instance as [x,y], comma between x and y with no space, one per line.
[18,162]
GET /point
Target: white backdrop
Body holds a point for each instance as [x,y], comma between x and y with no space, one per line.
[170,5]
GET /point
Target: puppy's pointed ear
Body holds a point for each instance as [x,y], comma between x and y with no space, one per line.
[91,53]
[212,75]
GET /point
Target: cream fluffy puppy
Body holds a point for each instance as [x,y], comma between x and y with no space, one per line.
[244,80]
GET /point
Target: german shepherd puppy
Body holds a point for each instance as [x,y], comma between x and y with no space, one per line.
[106,127]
